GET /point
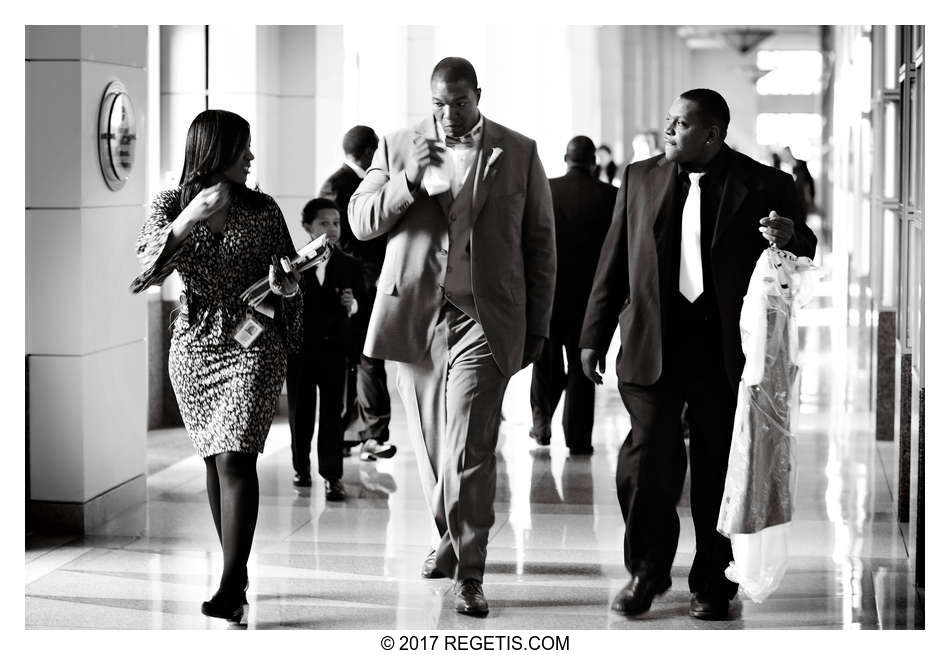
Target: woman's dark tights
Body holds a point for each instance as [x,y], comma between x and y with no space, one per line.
[233,494]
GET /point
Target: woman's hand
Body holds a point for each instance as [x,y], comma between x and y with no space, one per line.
[281,283]
[210,201]
[202,207]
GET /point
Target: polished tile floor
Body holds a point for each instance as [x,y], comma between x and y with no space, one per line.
[555,554]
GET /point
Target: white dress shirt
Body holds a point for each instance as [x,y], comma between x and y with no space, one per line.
[461,157]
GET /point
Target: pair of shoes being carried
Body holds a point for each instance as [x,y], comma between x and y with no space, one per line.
[231,606]
[429,571]
[708,607]
[302,480]
[470,598]
[543,438]
[637,595]
[372,450]
[334,489]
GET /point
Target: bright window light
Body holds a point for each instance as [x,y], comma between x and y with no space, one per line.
[800,132]
[790,72]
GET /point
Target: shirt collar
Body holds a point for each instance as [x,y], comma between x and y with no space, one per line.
[475,132]
[356,168]
[714,168]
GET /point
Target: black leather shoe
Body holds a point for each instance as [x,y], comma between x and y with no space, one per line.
[543,438]
[584,450]
[302,480]
[428,567]
[637,595]
[232,607]
[708,607]
[470,599]
[334,490]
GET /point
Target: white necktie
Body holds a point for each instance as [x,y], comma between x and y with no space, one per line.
[321,272]
[691,258]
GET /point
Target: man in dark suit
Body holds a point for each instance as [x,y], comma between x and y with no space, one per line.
[333,293]
[372,394]
[582,210]
[687,230]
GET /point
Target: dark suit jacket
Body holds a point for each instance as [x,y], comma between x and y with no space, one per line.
[582,209]
[627,283]
[325,322]
[339,188]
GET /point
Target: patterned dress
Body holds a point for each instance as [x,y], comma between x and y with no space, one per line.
[227,393]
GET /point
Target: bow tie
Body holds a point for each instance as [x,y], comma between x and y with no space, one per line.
[466,141]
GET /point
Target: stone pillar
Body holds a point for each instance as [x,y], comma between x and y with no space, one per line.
[420,59]
[328,98]
[612,107]
[85,340]
[183,95]
[295,105]
[584,91]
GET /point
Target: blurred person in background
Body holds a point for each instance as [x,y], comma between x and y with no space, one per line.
[583,206]
[367,404]
[606,170]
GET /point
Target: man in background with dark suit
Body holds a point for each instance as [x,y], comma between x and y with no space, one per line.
[688,228]
[582,210]
[372,395]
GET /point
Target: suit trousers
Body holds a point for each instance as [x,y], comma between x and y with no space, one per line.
[304,376]
[372,398]
[372,392]
[651,464]
[549,381]
[453,404]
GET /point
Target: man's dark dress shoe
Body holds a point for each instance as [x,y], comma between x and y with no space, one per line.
[232,607]
[543,439]
[334,490]
[301,480]
[583,450]
[708,607]
[428,567]
[470,599]
[637,595]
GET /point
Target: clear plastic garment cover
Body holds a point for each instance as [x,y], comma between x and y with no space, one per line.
[761,477]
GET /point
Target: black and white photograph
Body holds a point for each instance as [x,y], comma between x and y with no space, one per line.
[473,335]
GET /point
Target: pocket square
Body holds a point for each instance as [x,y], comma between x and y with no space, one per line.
[435,180]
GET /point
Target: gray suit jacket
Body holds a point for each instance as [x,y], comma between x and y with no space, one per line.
[512,247]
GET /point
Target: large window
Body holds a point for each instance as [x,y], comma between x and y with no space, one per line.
[790,72]
[793,79]
[897,192]
[800,132]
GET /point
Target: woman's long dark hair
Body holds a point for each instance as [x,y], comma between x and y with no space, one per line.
[215,140]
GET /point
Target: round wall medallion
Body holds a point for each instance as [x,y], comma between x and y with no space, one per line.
[116,135]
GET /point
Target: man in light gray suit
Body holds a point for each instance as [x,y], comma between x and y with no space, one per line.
[464,300]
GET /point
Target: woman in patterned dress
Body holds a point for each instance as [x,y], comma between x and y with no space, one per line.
[222,237]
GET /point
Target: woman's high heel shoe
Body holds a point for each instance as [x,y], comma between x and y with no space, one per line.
[232,607]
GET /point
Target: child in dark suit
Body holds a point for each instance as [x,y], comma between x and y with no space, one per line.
[332,294]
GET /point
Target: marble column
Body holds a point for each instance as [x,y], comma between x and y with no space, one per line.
[85,341]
